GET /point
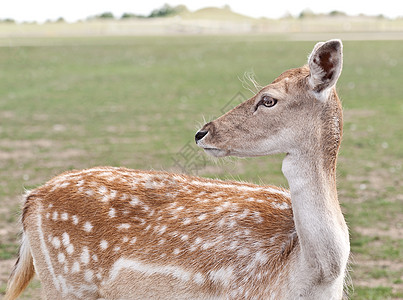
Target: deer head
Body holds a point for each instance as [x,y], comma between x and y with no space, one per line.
[296,113]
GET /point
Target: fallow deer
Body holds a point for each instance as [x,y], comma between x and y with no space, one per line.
[115,233]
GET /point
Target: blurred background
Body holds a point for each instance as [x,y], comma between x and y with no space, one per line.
[124,84]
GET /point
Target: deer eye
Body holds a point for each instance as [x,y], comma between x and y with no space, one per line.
[268,101]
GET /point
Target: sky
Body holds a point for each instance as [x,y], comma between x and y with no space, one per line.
[73,10]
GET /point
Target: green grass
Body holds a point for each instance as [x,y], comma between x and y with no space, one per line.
[376,293]
[135,102]
[8,251]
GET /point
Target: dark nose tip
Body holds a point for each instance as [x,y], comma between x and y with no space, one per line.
[199,135]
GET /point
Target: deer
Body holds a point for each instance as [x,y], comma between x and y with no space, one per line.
[116,233]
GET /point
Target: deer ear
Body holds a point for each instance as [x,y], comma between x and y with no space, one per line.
[325,64]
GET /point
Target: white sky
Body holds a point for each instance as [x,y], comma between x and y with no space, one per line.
[72,10]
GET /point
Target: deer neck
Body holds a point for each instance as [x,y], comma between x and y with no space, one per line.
[321,229]
[312,184]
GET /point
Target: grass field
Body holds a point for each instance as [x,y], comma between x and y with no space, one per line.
[137,102]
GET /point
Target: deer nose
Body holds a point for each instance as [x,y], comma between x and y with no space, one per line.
[199,135]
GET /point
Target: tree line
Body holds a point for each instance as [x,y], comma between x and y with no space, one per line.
[167,10]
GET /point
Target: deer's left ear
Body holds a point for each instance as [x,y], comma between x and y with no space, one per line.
[325,64]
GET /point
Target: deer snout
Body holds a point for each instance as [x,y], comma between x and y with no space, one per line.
[204,141]
[209,127]
[200,134]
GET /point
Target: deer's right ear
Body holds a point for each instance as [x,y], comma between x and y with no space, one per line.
[325,64]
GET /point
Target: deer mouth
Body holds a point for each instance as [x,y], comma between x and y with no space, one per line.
[215,152]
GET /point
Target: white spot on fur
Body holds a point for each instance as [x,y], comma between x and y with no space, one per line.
[187,221]
[176,251]
[258,218]
[103,244]
[244,213]
[178,209]
[162,229]
[76,267]
[135,201]
[243,252]
[218,209]
[208,245]
[260,257]
[75,219]
[65,239]
[150,184]
[184,237]
[172,205]
[88,275]
[226,204]
[202,217]
[85,256]
[233,245]
[113,194]
[112,212]
[123,226]
[56,242]
[133,240]
[116,249]
[125,239]
[231,223]
[106,174]
[221,223]
[102,190]
[89,193]
[222,276]
[70,249]
[64,216]
[61,257]
[281,205]
[198,278]
[95,258]
[87,226]
[55,215]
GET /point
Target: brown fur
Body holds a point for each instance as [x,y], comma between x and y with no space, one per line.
[246,216]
